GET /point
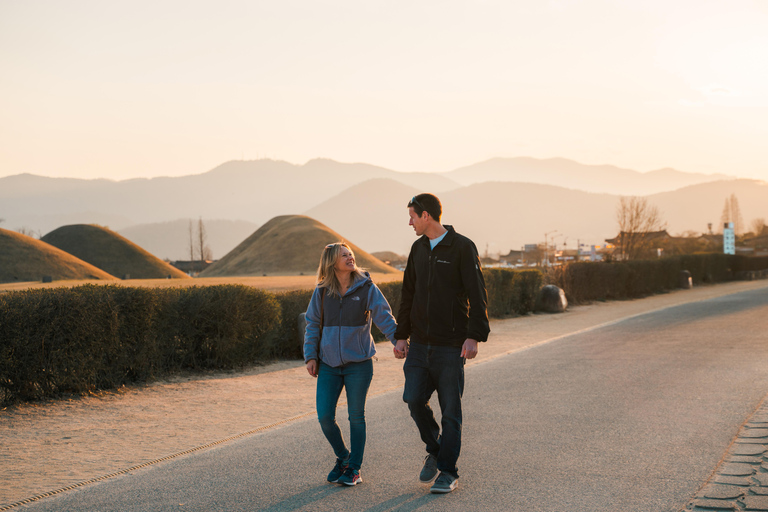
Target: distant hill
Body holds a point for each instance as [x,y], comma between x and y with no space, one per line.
[691,208]
[23,258]
[170,240]
[566,173]
[110,252]
[503,216]
[375,211]
[254,191]
[286,245]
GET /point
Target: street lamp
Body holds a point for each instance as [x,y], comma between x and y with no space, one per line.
[546,246]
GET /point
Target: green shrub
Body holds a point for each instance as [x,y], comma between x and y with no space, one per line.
[220,326]
[511,292]
[76,340]
[289,342]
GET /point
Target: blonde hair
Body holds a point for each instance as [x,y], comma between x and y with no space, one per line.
[326,275]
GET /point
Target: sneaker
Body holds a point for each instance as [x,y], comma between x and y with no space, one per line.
[337,471]
[350,477]
[445,483]
[429,471]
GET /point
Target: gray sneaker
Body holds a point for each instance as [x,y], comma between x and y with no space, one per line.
[445,483]
[429,470]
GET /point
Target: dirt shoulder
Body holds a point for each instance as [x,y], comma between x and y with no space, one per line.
[51,445]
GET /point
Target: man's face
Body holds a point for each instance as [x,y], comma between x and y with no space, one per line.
[419,223]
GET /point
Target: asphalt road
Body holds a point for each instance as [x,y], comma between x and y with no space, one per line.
[635,416]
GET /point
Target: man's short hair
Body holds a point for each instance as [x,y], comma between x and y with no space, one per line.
[426,203]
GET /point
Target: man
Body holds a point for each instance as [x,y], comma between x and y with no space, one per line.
[444,311]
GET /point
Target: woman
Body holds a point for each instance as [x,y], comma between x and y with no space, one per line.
[338,350]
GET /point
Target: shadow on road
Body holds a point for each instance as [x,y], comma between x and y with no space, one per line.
[303,498]
[404,503]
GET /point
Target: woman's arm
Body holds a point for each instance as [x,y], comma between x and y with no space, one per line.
[313,332]
[381,313]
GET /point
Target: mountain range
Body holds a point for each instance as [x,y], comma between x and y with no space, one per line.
[500,203]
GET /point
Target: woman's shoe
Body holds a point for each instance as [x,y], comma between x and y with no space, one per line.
[350,477]
[337,471]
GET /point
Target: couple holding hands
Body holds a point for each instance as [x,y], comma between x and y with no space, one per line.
[443,311]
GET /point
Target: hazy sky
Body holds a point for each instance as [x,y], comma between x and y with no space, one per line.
[123,89]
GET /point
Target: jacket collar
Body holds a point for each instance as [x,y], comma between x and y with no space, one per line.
[447,240]
[359,282]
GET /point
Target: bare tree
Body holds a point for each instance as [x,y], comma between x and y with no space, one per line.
[637,220]
[29,232]
[191,241]
[757,226]
[732,213]
[204,250]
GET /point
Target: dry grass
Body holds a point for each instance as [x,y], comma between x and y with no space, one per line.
[289,244]
[110,252]
[22,258]
[271,283]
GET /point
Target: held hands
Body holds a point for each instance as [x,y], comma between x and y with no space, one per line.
[401,349]
[312,367]
[469,348]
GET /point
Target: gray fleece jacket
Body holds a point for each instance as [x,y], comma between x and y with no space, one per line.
[346,332]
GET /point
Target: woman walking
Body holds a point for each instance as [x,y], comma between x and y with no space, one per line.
[339,348]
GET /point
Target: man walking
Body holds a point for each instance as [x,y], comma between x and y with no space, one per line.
[444,312]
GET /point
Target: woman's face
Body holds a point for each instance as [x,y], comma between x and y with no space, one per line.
[346,261]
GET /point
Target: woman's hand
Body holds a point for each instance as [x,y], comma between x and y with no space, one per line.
[401,349]
[312,367]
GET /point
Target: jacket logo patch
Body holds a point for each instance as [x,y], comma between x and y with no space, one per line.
[355,298]
[443,261]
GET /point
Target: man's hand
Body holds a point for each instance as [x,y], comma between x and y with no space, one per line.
[312,367]
[469,348]
[401,349]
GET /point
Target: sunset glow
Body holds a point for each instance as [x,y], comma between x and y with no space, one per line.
[138,89]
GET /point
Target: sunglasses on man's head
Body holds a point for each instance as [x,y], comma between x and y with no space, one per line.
[417,203]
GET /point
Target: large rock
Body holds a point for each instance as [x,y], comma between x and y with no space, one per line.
[686,281]
[551,299]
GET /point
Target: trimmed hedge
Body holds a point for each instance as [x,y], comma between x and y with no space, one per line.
[589,281]
[76,340]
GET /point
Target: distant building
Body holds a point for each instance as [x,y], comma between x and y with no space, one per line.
[512,259]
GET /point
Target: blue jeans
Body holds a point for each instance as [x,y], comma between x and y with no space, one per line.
[427,369]
[356,378]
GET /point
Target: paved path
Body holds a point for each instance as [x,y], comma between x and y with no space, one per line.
[634,415]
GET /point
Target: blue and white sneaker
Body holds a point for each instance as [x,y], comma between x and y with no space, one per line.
[445,483]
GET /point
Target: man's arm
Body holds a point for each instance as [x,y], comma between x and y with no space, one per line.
[406,299]
[474,284]
[404,313]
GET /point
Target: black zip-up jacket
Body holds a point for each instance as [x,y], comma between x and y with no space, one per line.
[444,301]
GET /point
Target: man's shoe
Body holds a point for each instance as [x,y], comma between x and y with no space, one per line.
[445,483]
[350,477]
[429,470]
[337,471]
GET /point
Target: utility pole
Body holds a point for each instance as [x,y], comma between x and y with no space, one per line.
[546,246]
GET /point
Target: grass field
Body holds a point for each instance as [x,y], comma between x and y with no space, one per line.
[272,283]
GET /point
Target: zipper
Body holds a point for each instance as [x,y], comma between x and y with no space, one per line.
[429,287]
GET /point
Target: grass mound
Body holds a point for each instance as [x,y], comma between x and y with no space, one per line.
[110,252]
[23,258]
[392,258]
[286,245]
